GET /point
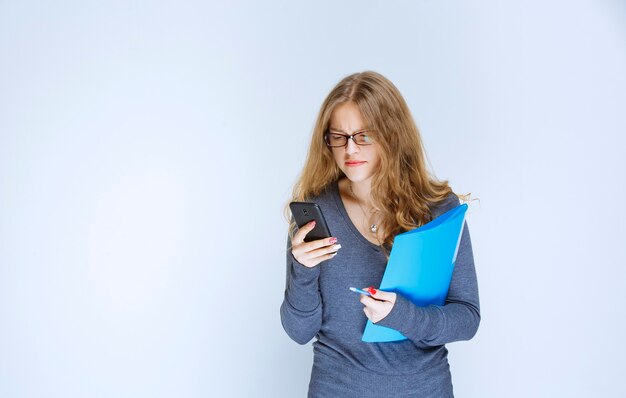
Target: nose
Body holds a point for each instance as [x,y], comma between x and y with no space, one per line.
[351,147]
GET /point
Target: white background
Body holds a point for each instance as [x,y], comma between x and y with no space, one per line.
[147,150]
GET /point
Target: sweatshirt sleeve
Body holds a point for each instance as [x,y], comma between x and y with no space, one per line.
[456,320]
[301,310]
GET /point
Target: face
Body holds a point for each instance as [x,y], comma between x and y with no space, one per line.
[358,162]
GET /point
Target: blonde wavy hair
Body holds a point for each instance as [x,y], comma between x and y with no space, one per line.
[402,187]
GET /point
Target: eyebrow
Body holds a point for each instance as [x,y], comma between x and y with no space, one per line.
[341,131]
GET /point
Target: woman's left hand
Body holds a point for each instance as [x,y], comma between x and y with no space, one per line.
[379,305]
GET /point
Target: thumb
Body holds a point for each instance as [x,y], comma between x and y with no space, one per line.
[379,294]
[303,231]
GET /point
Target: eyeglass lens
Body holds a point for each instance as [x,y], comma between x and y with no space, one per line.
[337,140]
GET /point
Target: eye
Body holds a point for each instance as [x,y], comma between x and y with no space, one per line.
[363,138]
[336,137]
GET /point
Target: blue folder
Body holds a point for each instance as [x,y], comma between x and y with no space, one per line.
[420,267]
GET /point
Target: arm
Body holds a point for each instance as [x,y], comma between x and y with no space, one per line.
[457,319]
[301,310]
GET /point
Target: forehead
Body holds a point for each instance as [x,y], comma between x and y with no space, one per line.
[346,117]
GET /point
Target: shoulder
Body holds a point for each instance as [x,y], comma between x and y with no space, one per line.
[450,202]
[326,196]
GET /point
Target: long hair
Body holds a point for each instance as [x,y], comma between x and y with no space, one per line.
[402,187]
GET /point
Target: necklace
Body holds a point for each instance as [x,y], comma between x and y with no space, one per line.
[373,227]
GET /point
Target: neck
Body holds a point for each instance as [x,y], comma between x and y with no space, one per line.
[362,191]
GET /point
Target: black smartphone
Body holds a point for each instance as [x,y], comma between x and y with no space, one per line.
[305,212]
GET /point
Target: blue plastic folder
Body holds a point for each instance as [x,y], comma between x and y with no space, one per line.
[420,267]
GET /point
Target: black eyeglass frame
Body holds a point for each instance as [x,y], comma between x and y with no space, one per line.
[348,137]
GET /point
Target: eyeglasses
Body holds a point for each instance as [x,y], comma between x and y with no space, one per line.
[336,140]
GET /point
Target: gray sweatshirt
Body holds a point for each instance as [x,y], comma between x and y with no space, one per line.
[318,304]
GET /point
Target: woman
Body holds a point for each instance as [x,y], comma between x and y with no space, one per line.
[366,170]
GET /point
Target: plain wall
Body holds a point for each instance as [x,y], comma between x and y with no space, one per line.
[147,150]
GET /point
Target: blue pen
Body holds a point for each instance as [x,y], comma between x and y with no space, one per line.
[354,289]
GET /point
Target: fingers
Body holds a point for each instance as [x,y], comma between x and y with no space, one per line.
[299,236]
[382,295]
[302,232]
[376,310]
[370,302]
[377,306]
[312,253]
[316,244]
[314,249]
[377,296]
[324,257]
[307,254]
[311,260]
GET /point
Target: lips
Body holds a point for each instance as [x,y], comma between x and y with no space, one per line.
[354,163]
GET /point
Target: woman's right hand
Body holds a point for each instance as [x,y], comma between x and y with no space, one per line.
[312,253]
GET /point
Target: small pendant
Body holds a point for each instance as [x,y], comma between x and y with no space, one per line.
[374,228]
